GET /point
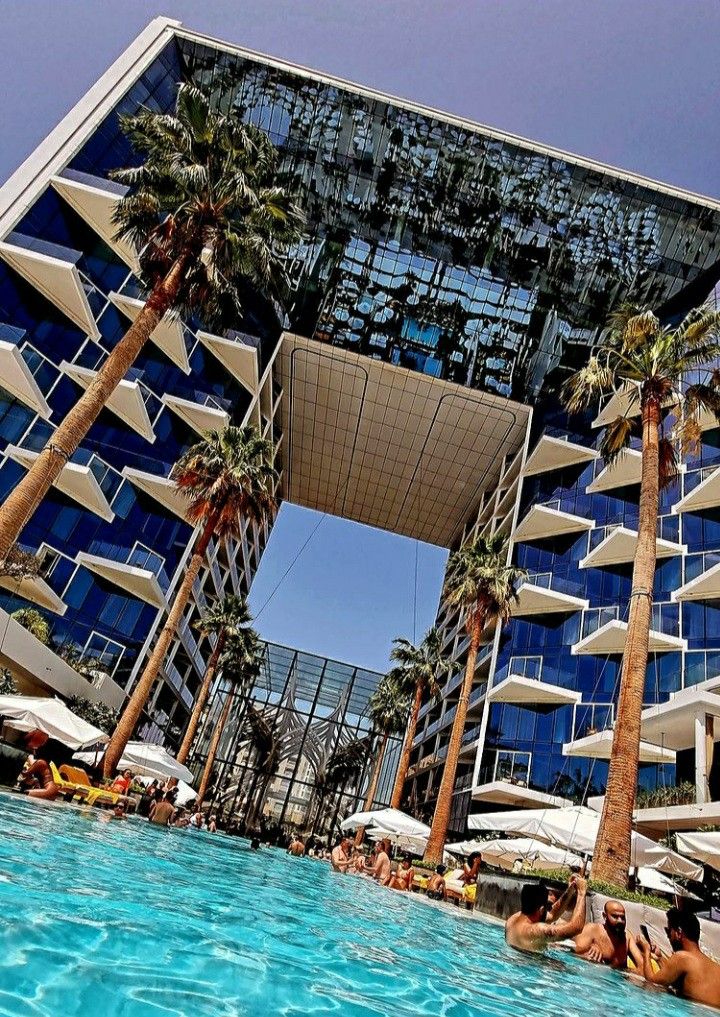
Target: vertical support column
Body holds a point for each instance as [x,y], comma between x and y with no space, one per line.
[701,784]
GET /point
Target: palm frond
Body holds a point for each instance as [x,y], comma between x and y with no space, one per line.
[616,438]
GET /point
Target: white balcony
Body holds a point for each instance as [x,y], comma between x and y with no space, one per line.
[238,358]
[599,746]
[52,275]
[624,472]
[623,403]
[95,200]
[36,590]
[162,489]
[168,336]
[673,723]
[504,792]
[126,402]
[618,548]
[705,496]
[17,379]
[542,522]
[537,600]
[610,639]
[138,582]
[524,691]
[199,417]
[656,823]
[75,481]
[555,454]
[706,586]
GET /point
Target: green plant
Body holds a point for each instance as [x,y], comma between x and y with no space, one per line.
[7,684]
[96,714]
[35,622]
[664,797]
[612,890]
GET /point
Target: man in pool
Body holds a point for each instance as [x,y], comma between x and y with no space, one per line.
[688,971]
[528,929]
[296,848]
[340,856]
[163,812]
[608,942]
[381,870]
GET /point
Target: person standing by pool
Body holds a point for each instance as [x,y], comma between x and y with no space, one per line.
[528,928]
[609,942]
[340,856]
[162,813]
[688,971]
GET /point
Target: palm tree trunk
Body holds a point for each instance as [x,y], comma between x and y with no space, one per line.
[202,698]
[134,707]
[24,499]
[611,860]
[404,763]
[212,750]
[372,790]
[441,818]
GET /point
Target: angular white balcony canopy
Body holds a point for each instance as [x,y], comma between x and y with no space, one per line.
[706,586]
[622,473]
[76,481]
[623,403]
[239,358]
[162,489]
[200,418]
[126,402]
[693,816]
[542,522]
[502,792]
[138,582]
[599,746]
[95,202]
[16,378]
[36,590]
[705,496]
[672,723]
[168,336]
[57,279]
[534,600]
[618,548]
[531,692]
[555,453]
[610,638]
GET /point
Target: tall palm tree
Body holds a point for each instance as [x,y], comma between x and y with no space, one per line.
[654,367]
[207,220]
[241,666]
[481,582]
[227,476]
[225,620]
[388,710]
[419,668]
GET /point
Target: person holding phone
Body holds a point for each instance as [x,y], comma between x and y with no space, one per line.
[688,971]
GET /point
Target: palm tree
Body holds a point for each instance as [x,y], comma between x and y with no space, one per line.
[35,622]
[226,619]
[207,220]
[653,367]
[227,477]
[417,673]
[388,710]
[481,582]
[241,663]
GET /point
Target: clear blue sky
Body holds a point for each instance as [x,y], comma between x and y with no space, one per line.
[629,82]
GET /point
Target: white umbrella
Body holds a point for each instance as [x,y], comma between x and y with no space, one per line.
[402,841]
[533,852]
[576,829]
[390,820]
[651,879]
[703,846]
[33,713]
[466,847]
[146,759]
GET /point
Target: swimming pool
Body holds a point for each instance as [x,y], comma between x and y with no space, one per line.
[121,919]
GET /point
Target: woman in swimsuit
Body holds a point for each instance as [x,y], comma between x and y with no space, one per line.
[403,878]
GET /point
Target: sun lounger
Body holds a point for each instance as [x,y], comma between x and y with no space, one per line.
[73,779]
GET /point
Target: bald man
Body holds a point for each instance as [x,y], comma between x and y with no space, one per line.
[608,942]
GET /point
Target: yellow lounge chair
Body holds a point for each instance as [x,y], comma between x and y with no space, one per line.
[72,778]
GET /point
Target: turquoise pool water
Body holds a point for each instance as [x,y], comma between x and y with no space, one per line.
[112,919]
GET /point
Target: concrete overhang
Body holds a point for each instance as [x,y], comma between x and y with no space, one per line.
[238,358]
[624,472]
[531,692]
[76,481]
[199,417]
[552,453]
[599,746]
[126,402]
[95,200]
[705,496]
[162,489]
[386,446]
[503,792]
[542,522]
[673,723]
[168,336]
[618,548]
[138,582]
[610,639]
[16,378]
[706,586]
[538,600]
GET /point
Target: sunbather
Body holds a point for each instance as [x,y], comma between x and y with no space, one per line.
[37,781]
[403,878]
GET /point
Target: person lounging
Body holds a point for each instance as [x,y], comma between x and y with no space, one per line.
[403,878]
